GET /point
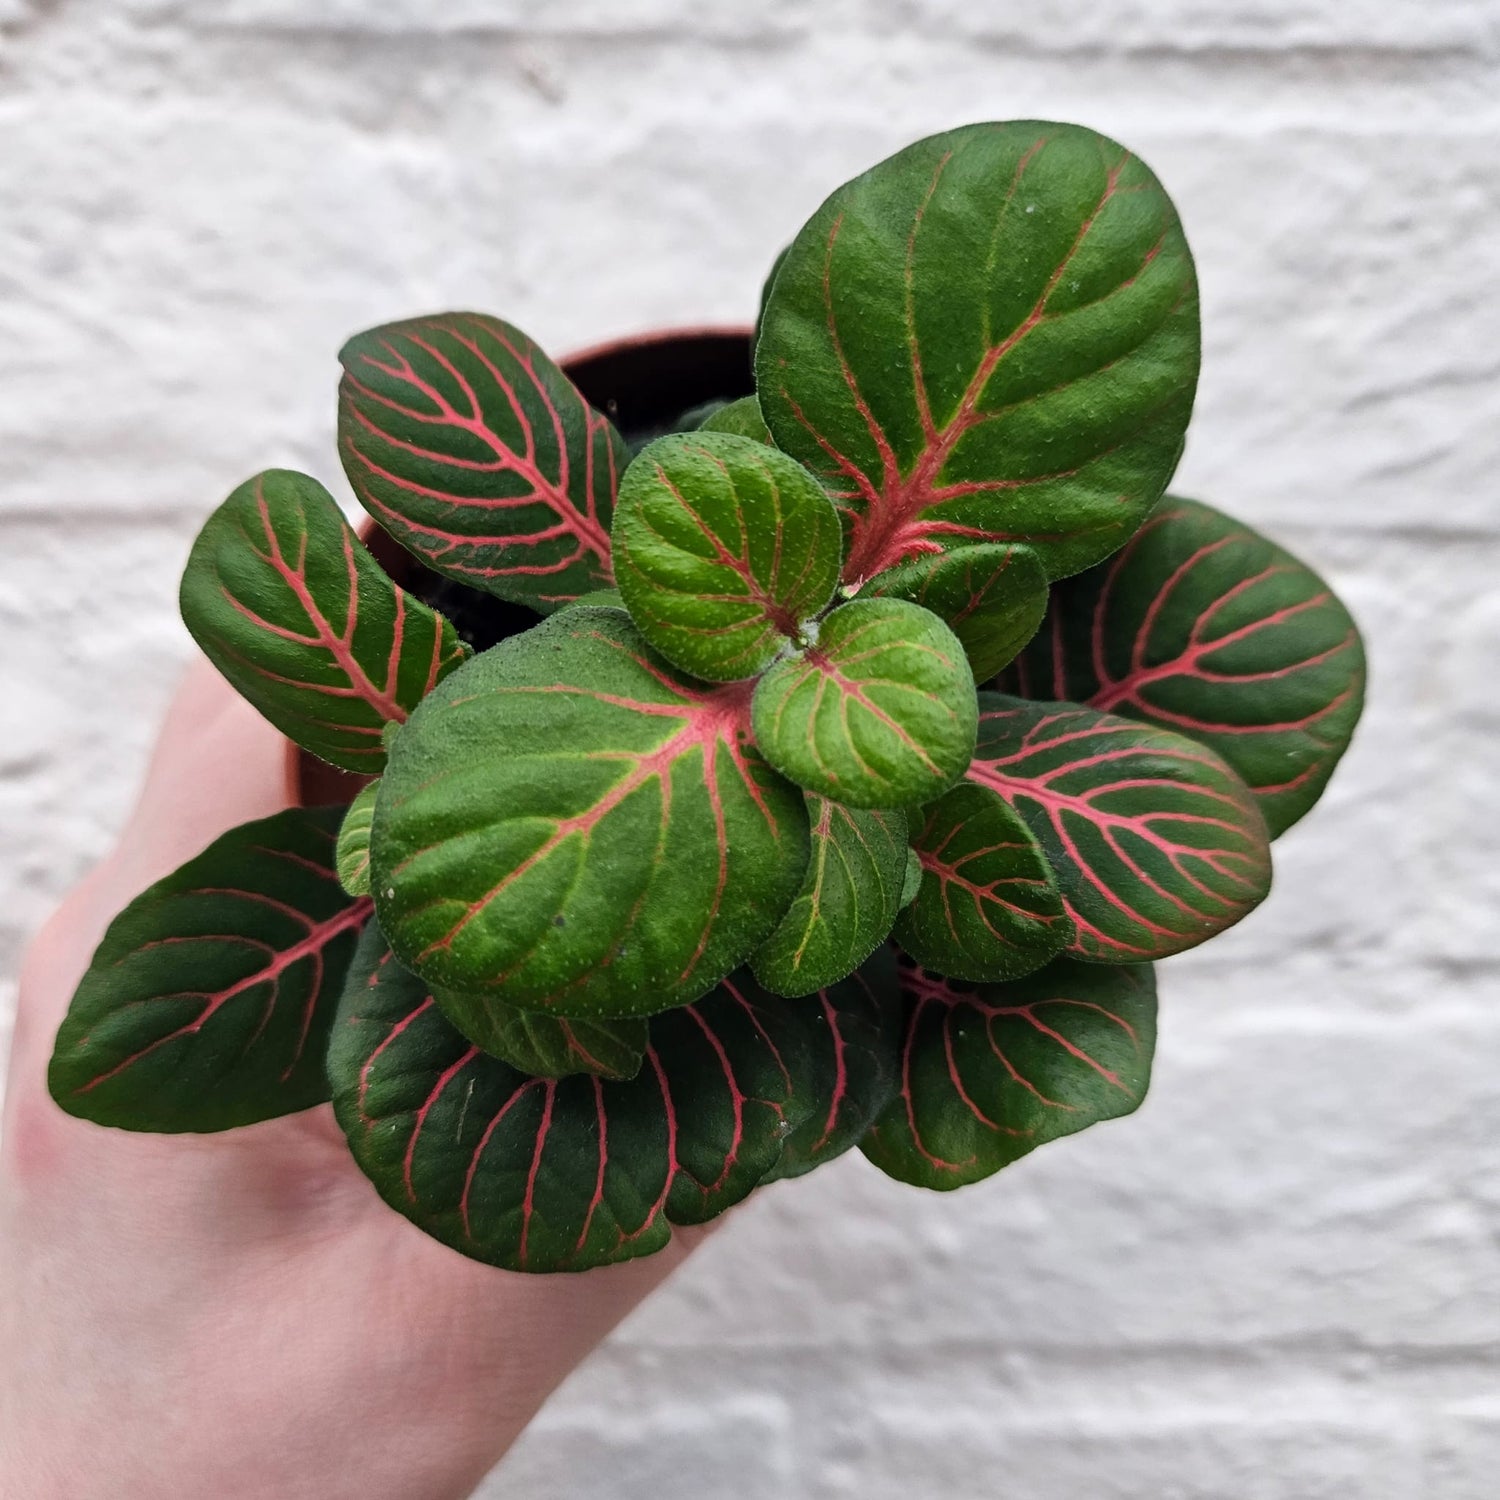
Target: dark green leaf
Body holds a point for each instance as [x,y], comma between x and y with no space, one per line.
[209,1001]
[856,1029]
[352,856]
[990,337]
[290,607]
[548,1046]
[990,1073]
[988,907]
[992,598]
[723,547]
[475,451]
[1155,843]
[569,825]
[879,713]
[848,901]
[742,417]
[1204,626]
[541,1174]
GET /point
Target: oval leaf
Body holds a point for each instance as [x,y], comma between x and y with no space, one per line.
[879,713]
[851,1062]
[990,1073]
[1204,626]
[742,417]
[1155,843]
[548,1046]
[988,906]
[723,547]
[991,336]
[352,854]
[540,1174]
[209,1001]
[569,825]
[993,598]
[848,901]
[290,607]
[476,452]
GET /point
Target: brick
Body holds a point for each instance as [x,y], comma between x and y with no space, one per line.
[734,1446]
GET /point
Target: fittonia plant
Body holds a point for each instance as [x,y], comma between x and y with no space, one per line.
[879,733]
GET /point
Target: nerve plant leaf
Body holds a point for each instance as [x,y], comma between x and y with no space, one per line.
[551,1046]
[849,898]
[1204,626]
[476,452]
[993,598]
[723,547]
[541,1174]
[990,337]
[742,417]
[879,713]
[352,853]
[209,1001]
[989,1073]
[856,1026]
[988,906]
[569,825]
[1155,843]
[290,607]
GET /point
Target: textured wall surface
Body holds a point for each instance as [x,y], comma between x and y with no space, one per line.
[1282,1278]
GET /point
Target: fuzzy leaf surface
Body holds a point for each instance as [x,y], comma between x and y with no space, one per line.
[848,901]
[570,825]
[990,1072]
[988,907]
[992,336]
[1204,626]
[290,607]
[742,417]
[477,453]
[1155,843]
[879,713]
[208,1003]
[540,1174]
[352,853]
[550,1046]
[723,547]
[992,597]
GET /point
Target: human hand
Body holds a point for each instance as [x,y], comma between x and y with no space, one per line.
[239,1315]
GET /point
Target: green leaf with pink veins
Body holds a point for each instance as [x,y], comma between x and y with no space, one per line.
[723,547]
[988,906]
[1155,843]
[568,824]
[1208,628]
[990,1072]
[477,453]
[559,1174]
[209,1001]
[991,336]
[993,598]
[880,712]
[290,607]
[848,901]
[543,1045]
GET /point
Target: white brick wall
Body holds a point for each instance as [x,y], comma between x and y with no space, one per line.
[1281,1279]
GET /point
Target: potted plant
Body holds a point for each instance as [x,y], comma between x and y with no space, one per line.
[827,772]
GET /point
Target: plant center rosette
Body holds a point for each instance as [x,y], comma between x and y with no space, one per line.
[875,735]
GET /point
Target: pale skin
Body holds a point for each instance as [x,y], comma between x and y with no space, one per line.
[239,1315]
